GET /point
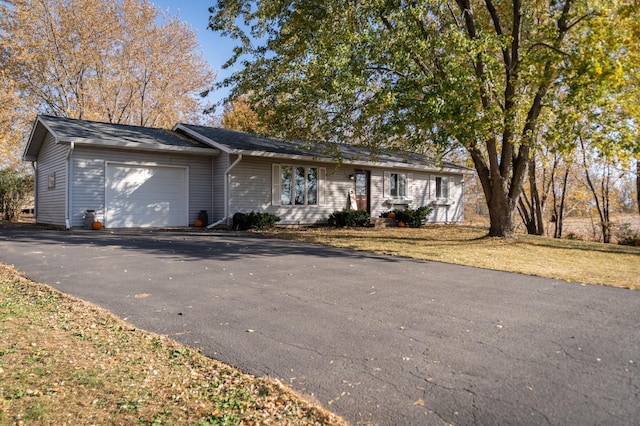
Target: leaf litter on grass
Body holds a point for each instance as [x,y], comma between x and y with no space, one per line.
[65,361]
[570,260]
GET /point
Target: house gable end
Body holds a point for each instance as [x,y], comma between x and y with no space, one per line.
[89,133]
[38,134]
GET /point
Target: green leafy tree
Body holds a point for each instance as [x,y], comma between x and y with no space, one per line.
[476,74]
[14,189]
[600,120]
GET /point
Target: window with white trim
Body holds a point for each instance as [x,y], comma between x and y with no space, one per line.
[398,184]
[442,187]
[297,185]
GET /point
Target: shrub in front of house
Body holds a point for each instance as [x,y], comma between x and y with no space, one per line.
[254,220]
[413,218]
[350,218]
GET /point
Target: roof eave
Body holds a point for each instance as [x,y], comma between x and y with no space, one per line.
[36,138]
[409,166]
[387,164]
[141,146]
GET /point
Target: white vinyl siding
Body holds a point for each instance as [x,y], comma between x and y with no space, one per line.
[447,198]
[50,202]
[421,191]
[89,183]
[220,166]
[256,186]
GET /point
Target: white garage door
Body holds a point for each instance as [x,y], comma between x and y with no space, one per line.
[144,196]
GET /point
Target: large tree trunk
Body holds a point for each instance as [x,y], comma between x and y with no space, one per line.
[501,207]
[501,218]
[501,193]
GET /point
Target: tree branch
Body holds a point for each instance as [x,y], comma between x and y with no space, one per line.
[548,46]
[418,62]
[387,70]
[498,27]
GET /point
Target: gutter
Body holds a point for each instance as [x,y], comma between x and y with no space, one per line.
[67,189]
[358,162]
[226,193]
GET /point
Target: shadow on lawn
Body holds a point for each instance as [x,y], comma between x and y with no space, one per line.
[476,237]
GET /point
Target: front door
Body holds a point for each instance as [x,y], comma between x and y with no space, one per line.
[362,190]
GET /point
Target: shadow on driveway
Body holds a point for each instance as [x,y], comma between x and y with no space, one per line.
[185,244]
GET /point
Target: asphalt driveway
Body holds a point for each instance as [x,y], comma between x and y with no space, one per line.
[378,340]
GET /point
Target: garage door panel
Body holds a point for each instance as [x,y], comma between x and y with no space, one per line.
[144,196]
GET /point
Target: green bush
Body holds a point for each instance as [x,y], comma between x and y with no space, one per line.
[413,218]
[351,218]
[253,220]
[14,188]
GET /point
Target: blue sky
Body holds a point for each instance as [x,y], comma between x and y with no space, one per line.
[217,50]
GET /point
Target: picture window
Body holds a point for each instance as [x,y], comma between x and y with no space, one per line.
[298,186]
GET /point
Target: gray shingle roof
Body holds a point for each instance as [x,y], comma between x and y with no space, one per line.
[71,129]
[240,142]
[232,140]
[208,140]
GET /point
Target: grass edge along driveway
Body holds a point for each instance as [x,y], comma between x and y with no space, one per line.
[569,260]
[66,361]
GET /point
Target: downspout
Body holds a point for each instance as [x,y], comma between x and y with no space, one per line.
[226,193]
[67,189]
[35,190]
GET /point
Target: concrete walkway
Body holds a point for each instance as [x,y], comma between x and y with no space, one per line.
[378,340]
